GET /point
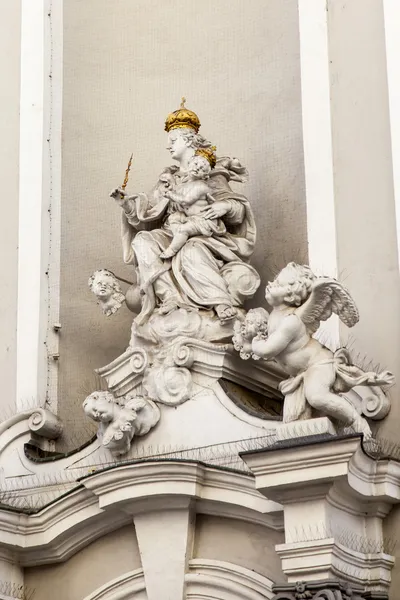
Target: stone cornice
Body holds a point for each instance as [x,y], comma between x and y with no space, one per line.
[348,563]
[289,468]
[151,479]
[106,501]
[333,494]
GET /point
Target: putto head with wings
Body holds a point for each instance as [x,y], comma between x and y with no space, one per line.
[120,419]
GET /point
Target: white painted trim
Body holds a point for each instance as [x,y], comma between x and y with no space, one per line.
[39,201]
[317,136]
[317,145]
[30,200]
[391,10]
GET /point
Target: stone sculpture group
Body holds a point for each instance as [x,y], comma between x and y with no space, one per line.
[189,242]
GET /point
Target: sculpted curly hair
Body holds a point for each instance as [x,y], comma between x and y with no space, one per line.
[298,280]
[195,140]
[114,285]
[300,288]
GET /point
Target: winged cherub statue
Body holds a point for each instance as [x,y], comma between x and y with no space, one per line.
[300,301]
[120,419]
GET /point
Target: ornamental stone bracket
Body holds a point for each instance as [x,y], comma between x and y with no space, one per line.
[43,425]
[189,359]
[335,499]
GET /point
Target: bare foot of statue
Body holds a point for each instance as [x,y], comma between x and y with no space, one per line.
[167,307]
[168,253]
[225,312]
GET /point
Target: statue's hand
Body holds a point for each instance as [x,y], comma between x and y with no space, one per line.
[216,210]
[120,196]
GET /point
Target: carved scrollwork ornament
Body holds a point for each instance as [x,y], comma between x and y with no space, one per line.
[183,355]
[45,424]
[139,361]
[318,590]
[169,385]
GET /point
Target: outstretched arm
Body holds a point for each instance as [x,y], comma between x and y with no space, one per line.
[276,341]
[174,196]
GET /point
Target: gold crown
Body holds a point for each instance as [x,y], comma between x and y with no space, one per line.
[209,154]
[183,117]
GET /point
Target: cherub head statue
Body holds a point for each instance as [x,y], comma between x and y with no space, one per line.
[100,406]
[292,286]
[199,168]
[254,325]
[107,290]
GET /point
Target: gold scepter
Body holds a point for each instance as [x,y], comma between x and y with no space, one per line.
[123,186]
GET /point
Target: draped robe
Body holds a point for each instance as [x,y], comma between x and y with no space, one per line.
[192,278]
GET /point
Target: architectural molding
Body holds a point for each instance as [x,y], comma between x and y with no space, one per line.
[326,558]
[107,500]
[206,579]
[59,530]
[282,477]
[333,495]
[122,588]
[233,581]
[147,482]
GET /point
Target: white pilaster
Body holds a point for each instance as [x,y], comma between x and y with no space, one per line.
[39,187]
[317,143]
[391,10]
[30,193]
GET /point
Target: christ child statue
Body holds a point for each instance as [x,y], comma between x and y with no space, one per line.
[189,201]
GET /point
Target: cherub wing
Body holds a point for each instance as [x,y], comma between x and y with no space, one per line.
[327,296]
[109,435]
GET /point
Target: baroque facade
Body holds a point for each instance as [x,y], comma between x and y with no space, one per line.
[200,382]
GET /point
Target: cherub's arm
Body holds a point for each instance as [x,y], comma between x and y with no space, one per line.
[174,196]
[278,340]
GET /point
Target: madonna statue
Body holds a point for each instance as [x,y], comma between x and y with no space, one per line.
[190,241]
[192,208]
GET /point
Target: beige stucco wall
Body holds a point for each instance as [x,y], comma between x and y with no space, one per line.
[126,65]
[10,41]
[100,562]
[243,544]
